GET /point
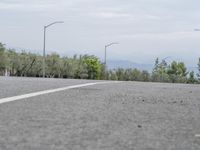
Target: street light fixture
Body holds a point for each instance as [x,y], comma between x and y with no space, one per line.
[106,46]
[44,46]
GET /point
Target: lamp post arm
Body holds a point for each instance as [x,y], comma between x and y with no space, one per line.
[53,23]
[111,44]
[106,50]
[44,45]
[43,61]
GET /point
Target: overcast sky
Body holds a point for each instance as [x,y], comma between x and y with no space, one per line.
[145,29]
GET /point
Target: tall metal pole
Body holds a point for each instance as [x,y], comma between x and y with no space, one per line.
[106,51]
[105,55]
[44,47]
[105,63]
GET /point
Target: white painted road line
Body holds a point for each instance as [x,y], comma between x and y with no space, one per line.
[15,98]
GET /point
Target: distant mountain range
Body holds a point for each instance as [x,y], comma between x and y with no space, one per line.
[112,64]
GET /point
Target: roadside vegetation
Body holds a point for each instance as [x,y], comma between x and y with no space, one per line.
[90,67]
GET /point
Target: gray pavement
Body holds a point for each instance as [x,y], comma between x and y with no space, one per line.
[17,85]
[114,116]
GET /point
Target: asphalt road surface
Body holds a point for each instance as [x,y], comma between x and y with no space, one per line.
[105,116]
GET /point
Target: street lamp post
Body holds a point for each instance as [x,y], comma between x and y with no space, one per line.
[105,63]
[106,46]
[44,45]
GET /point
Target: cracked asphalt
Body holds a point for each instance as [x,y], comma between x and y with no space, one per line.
[113,116]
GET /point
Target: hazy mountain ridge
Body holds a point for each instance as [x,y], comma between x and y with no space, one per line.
[112,64]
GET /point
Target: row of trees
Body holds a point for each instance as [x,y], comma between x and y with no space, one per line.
[175,72]
[89,67]
[30,65]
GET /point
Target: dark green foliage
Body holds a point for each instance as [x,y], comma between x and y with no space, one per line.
[128,75]
[159,73]
[2,59]
[145,76]
[120,72]
[53,65]
[30,65]
[104,74]
[93,66]
[191,78]
[177,72]
[136,75]
[198,74]
[89,67]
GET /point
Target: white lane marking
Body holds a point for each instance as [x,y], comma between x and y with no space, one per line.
[15,98]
